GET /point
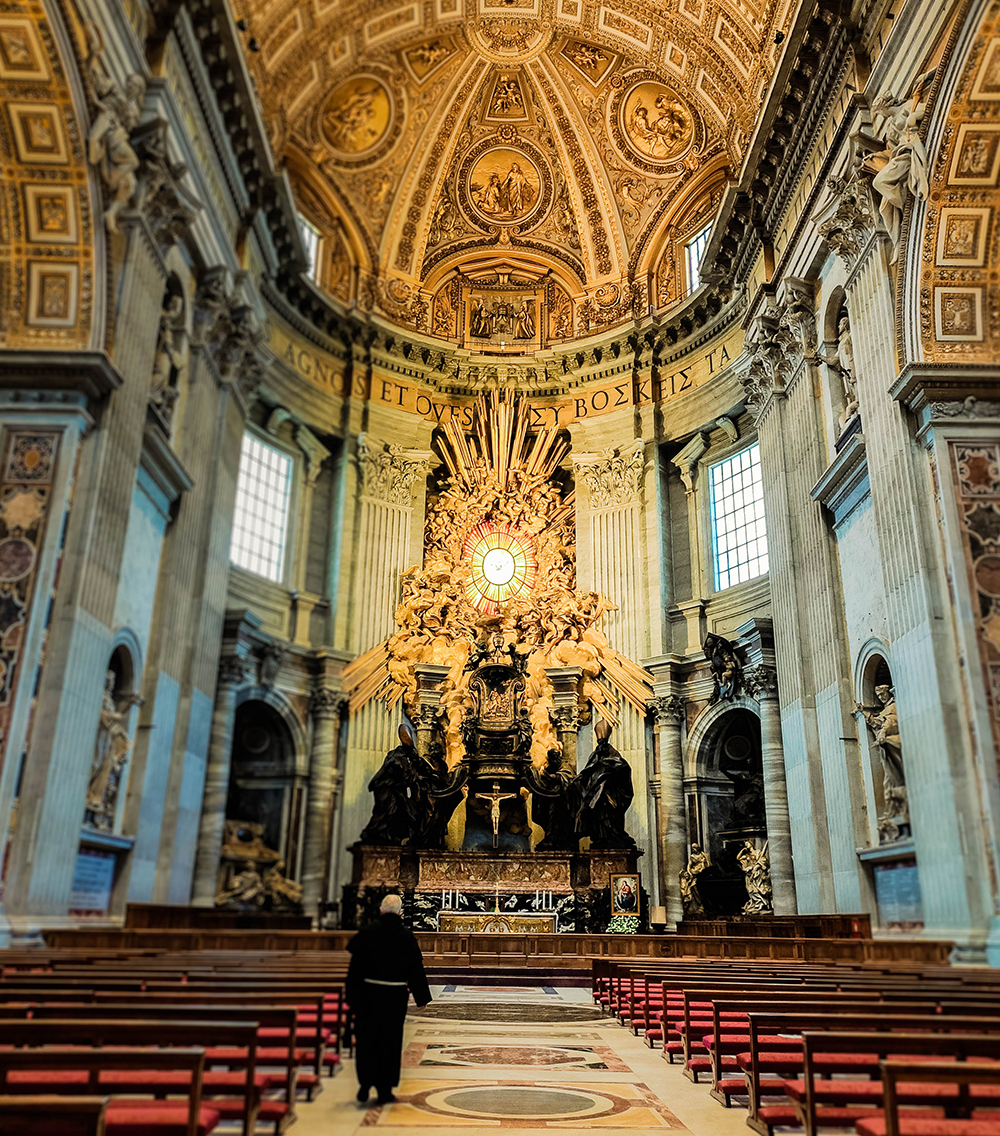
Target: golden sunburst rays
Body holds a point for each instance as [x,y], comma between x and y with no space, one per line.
[499,541]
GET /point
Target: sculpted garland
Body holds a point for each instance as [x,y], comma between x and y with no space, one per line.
[499,556]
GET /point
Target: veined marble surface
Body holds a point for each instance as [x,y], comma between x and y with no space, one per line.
[461,1076]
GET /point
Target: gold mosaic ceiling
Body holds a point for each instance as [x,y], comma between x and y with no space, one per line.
[563,150]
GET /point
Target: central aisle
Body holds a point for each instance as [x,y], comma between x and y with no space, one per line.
[533,1058]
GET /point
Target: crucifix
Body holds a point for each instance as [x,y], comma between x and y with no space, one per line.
[495,798]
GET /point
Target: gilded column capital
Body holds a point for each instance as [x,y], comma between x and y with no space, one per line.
[668,708]
[325,704]
[426,717]
[761,682]
[565,718]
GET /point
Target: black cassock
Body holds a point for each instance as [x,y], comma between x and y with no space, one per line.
[386,966]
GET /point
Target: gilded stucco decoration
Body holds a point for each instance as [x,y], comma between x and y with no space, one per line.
[959,297]
[47,236]
[502,515]
[562,132]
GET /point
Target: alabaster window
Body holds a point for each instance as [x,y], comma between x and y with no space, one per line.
[311,240]
[739,541]
[695,250]
[263,498]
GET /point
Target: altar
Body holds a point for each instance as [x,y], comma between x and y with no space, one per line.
[497,923]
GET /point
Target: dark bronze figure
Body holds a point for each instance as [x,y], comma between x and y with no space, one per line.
[393,815]
[553,805]
[603,794]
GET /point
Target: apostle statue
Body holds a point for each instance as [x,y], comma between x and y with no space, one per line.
[725,666]
[110,756]
[756,865]
[169,359]
[688,877]
[553,807]
[603,793]
[434,798]
[392,819]
[884,724]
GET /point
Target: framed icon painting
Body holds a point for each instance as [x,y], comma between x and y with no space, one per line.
[624,895]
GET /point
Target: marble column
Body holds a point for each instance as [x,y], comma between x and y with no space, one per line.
[566,710]
[234,672]
[426,721]
[761,682]
[672,822]
[325,707]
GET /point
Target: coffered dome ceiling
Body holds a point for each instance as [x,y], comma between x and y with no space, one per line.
[507,174]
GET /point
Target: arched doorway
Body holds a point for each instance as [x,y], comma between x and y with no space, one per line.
[724,791]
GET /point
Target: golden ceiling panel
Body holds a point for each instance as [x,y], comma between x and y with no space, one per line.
[561,133]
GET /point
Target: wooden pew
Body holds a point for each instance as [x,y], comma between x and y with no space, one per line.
[52,1116]
[86,1072]
[234,1095]
[819,1101]
[943,1072]
[766,1057]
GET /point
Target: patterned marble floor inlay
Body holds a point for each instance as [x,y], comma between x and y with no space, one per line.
[487,1011]
[524,1104]
[467,1055]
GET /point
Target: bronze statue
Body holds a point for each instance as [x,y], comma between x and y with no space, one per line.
[603,794]
[726,669]
[436,795]
[688,877]
[392,820]
[553,805]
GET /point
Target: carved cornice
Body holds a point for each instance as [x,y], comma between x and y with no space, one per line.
[388,472]
[613,477]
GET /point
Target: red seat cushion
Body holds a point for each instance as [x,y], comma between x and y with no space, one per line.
[156,1118]
[46,1080]
[156,1080]
[844,1092]
[914,1126]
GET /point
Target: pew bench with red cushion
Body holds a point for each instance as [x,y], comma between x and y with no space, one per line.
[52,1116]
[235,1094]
[73,1071]
[821,1100]
[955,1073]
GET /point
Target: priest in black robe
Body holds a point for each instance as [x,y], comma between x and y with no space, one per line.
[386,967]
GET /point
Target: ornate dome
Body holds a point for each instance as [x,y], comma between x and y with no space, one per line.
[509,174]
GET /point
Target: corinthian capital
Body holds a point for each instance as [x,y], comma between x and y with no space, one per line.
[613,476]
[668,708]
[388,472]
[235,671]
[326,704]
[761,682]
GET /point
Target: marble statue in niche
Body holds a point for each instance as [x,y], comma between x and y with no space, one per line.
[170,358]
[110,756]
[603,794]
[697,863]
[756,865]
[883,722]
[845,365]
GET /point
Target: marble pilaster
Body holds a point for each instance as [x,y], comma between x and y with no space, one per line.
[325,708]
[669,712]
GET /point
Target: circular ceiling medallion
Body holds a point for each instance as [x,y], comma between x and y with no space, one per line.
[504,185]
[652,125]
[359,120]
[503,565]
[16,558]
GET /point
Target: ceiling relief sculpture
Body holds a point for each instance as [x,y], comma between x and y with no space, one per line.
[572,141]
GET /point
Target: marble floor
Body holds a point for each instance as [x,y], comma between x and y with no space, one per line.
[530,1058]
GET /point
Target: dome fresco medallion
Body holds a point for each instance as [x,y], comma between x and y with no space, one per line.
[656,123]
[504,186]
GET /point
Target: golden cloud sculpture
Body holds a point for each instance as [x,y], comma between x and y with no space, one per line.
[499,558]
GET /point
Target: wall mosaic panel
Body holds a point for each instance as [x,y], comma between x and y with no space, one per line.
[976,473]
[960,302]
[46,240]
[25,491]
